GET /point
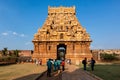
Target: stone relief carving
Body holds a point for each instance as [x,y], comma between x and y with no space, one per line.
[62,20]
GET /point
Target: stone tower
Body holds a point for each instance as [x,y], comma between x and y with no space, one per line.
[61,37]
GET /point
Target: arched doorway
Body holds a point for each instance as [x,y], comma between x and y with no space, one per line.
[61,51]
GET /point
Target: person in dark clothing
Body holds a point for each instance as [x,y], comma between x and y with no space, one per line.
[92,62]
[55,65]
[84,62]
[58,66]
[49,67]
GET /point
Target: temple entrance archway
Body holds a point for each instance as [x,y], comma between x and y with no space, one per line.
[61,51]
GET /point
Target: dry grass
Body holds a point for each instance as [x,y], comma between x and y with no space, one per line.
[27,71]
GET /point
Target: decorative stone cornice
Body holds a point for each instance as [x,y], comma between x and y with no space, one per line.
[61,9]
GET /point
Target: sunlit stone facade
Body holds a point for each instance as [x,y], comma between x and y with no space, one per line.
[62,29]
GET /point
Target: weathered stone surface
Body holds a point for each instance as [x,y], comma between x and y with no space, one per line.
[61,29]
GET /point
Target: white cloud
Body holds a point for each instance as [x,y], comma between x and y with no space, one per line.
[22,35]
[14,33]
[5,34]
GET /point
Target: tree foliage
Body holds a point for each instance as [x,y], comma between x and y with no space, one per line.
[4,52]
[9,56]
[16,53]
[108,57]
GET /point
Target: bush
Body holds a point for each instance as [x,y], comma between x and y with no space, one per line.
[8,59]
[108,57]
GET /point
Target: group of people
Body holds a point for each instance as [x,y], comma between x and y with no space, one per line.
[38,62]
[92,63]
[54,65]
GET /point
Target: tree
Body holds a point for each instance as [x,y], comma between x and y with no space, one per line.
[107,57]
[4,52]
[16,53]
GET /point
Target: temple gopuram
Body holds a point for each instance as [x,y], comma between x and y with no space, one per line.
[62,37]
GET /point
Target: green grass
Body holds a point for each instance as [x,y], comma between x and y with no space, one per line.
[107,71]
[28,71]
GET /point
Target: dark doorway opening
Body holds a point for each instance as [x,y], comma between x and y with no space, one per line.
[61,51]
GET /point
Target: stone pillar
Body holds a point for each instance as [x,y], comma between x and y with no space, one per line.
[80,47]
[35,47]
[69,48]
[53,50]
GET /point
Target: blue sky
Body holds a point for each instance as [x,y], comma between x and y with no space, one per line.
[20,20]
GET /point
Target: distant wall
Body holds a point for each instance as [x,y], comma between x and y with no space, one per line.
[96,52]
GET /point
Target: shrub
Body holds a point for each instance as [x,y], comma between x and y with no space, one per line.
[108,57]
[8,59]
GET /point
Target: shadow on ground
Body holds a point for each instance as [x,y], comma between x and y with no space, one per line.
[69,74]
[54,76]
[28,77]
